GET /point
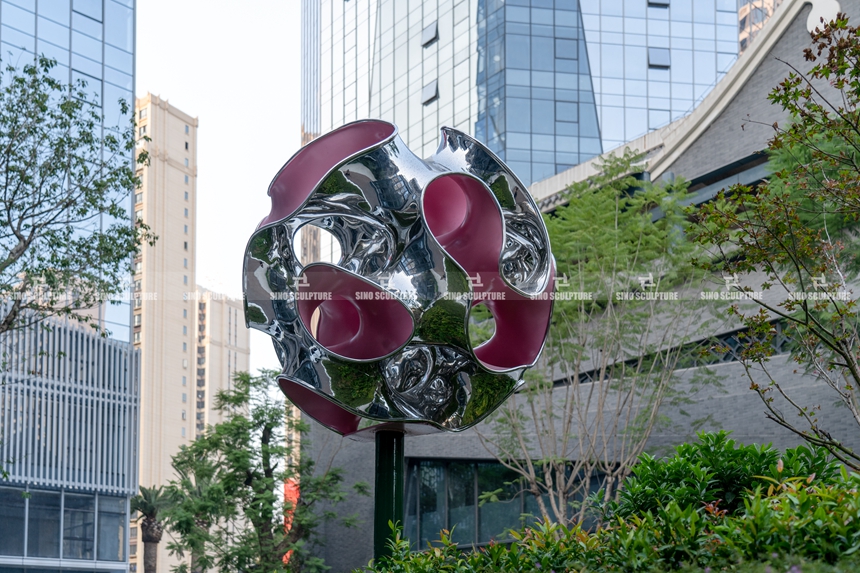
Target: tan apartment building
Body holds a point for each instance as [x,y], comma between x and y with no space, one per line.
[164,320]
[223,348]
[191,341]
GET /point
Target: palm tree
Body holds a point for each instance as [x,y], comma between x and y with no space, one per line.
[149,503]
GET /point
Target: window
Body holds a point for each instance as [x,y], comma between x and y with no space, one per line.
[186,245]
[43,539]
[185,363]
[132,532]
[137,284]
[658,58]
[430,34]
[142,130]
[138,302]
[185,279]
[183,429]
[186,129]
[186,211]
[186,179]
[185,330]
[184,415]
[184,397]
[139,214]
[78,526]
[186,146]
[132,549]
[186,229]
[111,529]
[430,92]
[184,313]
[138,197]
[137,337]
[137,320]
[184,381]
[186,195]
[138,266]
[11,532]
[658,3]
[184,347]
[186,162]
[142,113]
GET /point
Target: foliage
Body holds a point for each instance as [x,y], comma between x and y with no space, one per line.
[801,524]
[799,229]
[614,345]
[60,178]
[229,508]
[715,470]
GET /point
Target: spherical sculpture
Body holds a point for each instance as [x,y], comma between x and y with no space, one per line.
[383,333]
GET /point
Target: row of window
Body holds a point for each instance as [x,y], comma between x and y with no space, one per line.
[62,525]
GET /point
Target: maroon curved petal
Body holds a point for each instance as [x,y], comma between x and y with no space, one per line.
[319,408]
[356,320]
[296,180]
[464,218]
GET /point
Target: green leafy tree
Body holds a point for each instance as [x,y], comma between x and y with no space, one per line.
[61,175]
[800,230]
[230,511]
[151,504]
[613,349]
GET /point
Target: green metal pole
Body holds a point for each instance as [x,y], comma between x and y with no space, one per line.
[388,502]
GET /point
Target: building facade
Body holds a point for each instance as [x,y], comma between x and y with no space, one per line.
[68,441]
[546,84]
[716,145]
[164,322]
[92,41]
[192,341]
[223,349]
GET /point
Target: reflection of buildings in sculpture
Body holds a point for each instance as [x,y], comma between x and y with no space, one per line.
[752,14]
[68,440]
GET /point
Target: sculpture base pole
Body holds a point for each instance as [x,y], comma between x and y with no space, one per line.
[390,479]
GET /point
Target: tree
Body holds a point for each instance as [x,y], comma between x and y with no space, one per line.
[151,502]
[800,229]
[613,349]
[231,512]
[66,240]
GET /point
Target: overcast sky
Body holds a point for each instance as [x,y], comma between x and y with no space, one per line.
[235,66]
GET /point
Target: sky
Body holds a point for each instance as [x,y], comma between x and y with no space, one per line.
[236,67]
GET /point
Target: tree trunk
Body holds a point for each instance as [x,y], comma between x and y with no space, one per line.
[150,557]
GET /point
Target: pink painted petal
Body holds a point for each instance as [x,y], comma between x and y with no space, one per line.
[296,180]
[319,408]
[353,322]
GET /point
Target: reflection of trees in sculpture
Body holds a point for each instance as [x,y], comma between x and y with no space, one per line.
[608,364]
[411,234]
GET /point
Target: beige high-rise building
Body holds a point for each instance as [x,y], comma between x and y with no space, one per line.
[192,341]
[164,321]
[223,348]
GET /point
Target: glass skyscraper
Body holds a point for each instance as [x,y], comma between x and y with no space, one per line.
[93,41]
[546,84]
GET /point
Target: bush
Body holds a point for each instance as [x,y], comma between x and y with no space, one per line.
[802,514]
[716,469]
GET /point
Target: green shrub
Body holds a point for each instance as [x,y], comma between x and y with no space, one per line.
[795,513]
[715,468]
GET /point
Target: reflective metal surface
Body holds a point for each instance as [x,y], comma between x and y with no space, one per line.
[382,335]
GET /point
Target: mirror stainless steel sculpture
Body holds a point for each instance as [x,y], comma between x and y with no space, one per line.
[382,335]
